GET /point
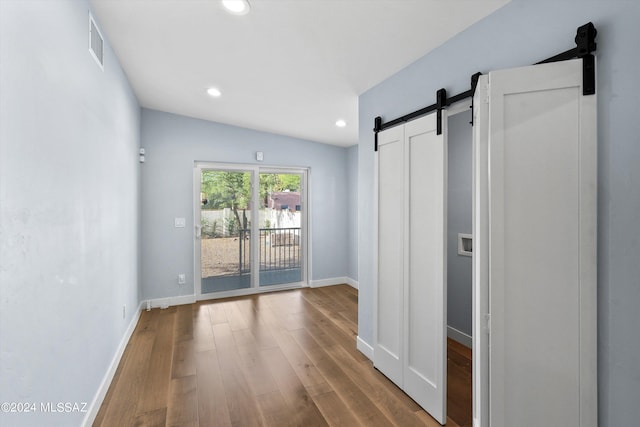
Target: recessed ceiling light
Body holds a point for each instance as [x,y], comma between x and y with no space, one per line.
[215,92]
[236,7]
[341,123]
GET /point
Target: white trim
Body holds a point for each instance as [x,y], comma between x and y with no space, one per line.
[308,234]
[328,282]
[197,231]
[376,249]
[94,407]
[480,259]
[305,223]
[171,301]
[364,348]
[459,336]
[254,249]
[353,283]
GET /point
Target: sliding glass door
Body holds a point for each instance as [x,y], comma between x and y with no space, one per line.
[225,236]
[250,228]
[281,214]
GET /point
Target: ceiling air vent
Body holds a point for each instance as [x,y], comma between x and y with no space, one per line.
[96,42]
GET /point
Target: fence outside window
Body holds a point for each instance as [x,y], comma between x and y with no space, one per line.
[279,249]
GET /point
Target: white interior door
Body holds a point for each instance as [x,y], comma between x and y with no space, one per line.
[410,345]
[539,216]
[425,367]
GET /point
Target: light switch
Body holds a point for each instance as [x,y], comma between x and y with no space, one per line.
[179,222]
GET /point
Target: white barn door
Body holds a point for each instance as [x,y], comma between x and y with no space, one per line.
[539,221]
[410,347]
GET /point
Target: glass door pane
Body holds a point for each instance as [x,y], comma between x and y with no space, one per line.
[280,227]
[225,220]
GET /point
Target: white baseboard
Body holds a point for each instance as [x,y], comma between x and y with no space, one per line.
[364,348]
[328,282]
[352,283]
[170,301]
[93,409]
[460,337]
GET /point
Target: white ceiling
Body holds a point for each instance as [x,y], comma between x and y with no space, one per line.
[291,67]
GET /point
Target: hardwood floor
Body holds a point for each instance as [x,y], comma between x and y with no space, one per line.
[459,385]
[276,359]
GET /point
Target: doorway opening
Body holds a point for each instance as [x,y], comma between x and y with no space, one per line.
[251,229]
[459,265]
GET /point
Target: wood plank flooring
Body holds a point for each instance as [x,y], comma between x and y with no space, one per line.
[459,384]
[275,359]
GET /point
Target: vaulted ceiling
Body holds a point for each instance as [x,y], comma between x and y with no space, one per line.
[291,67]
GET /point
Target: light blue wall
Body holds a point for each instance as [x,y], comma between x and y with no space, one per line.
[173,143]
[459,215]
[69,217]
[352,211]
[521,33]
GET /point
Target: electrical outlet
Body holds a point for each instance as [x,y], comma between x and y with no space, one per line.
[124,311]
[181,279]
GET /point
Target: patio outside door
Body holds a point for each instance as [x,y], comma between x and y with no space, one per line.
[225,234]
[250,228]
[281,218]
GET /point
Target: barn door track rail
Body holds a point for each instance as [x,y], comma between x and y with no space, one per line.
[585,44]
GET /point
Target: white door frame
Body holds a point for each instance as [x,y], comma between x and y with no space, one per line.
[255,171]
[480,275]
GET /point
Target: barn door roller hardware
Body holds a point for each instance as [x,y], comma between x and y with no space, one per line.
[441,102]
[377,127]
[585,44]
[474,84]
